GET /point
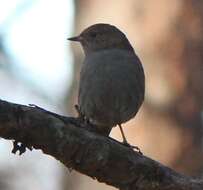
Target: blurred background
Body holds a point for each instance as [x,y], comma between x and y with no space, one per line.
[38,66]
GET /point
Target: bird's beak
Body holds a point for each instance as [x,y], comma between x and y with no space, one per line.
[76,38]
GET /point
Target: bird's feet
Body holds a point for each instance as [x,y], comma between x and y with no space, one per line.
[125,143]
[77,108]
[81,116]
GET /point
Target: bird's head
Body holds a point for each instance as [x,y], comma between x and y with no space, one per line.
[102,37]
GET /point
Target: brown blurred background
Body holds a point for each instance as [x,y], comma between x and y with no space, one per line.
[168,38]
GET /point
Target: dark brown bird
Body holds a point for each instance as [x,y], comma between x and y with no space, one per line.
[112,81]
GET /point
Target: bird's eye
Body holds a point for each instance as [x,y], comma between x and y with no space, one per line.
[93,35]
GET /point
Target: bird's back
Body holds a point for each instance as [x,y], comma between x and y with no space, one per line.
[111,86]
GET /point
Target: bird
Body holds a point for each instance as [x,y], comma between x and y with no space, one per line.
[112,79]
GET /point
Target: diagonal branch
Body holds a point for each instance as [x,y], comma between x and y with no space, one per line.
[87,152]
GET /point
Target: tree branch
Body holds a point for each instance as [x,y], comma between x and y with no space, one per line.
[87,152]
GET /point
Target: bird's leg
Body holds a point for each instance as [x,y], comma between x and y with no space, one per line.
[77,108]
[82,116]
[125,142]
[123,135]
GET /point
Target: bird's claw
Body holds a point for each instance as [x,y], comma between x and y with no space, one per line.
[133,147]
[81,116]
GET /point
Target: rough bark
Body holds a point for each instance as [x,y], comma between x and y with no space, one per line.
[94,155]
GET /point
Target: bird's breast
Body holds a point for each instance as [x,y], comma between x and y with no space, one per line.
[111,86]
